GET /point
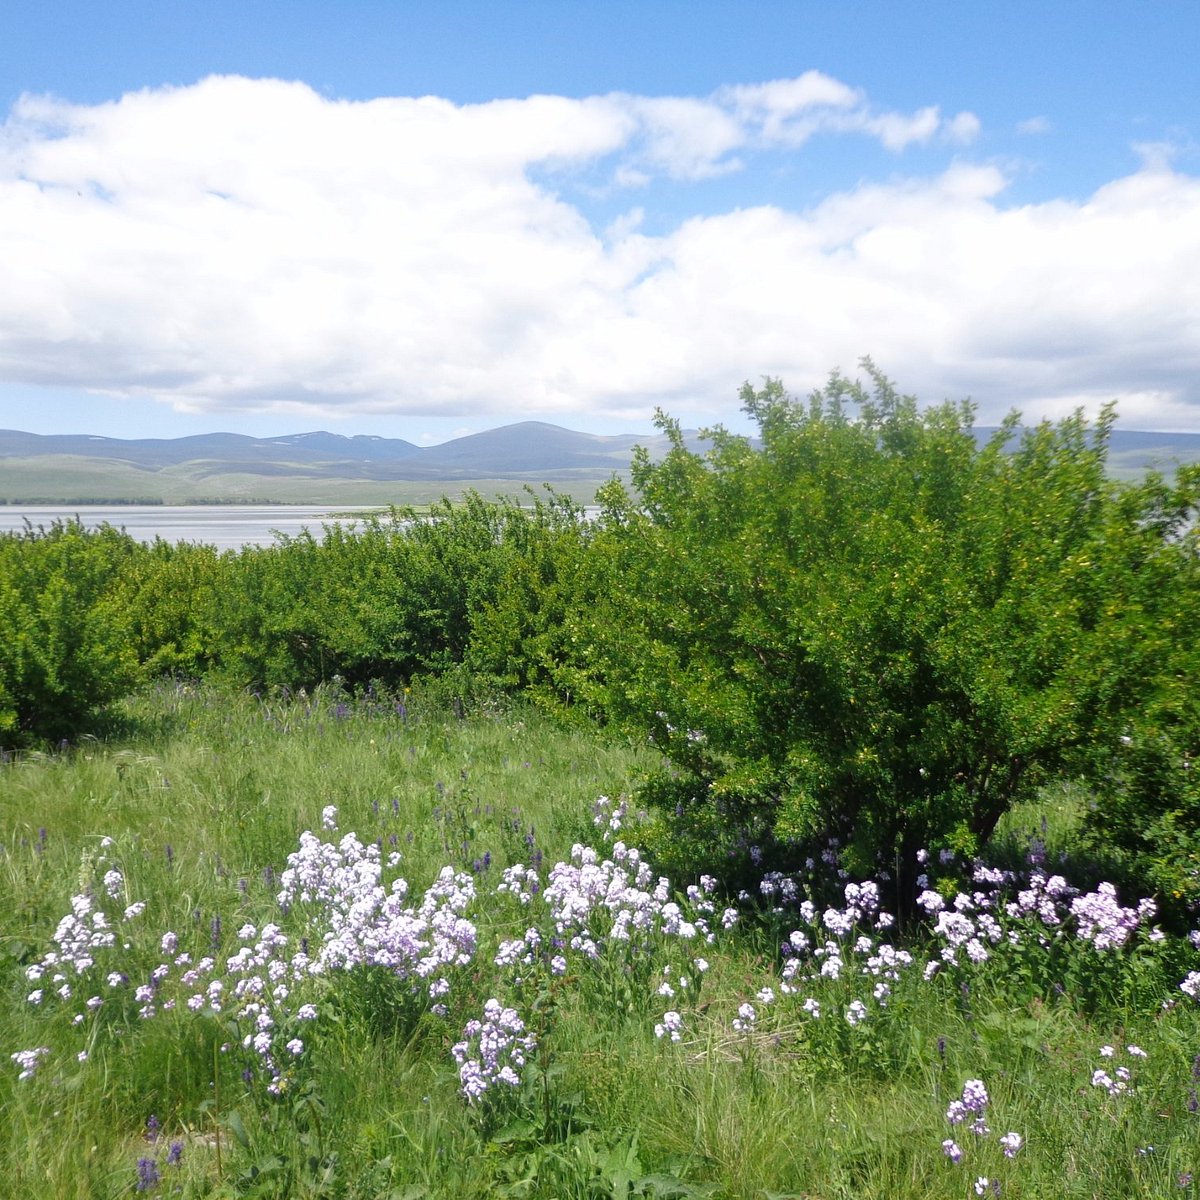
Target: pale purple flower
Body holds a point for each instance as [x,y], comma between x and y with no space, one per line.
[745,1019]
[856,1013]
[29,1060]
[976,951]
[973,1101]
[491,1050]
[838,922]
[1104,922]
[670,1025]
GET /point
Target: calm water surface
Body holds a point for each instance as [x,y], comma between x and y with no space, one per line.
[226,526]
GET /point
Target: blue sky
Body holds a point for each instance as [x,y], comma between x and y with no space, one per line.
[245,216]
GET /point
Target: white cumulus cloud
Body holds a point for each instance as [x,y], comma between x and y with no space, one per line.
[251,244]
[1032,126]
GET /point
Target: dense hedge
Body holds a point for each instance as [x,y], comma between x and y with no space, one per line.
[476,587]
[64,650]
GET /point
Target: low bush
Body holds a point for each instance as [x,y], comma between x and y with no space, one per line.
[65,648]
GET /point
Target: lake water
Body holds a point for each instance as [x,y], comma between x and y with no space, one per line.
[226,526]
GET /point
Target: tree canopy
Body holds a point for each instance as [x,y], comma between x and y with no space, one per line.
[871,627]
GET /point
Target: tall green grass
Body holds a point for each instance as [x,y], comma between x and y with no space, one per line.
[204,795]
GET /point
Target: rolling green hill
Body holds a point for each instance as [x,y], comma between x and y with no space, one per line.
[327,468]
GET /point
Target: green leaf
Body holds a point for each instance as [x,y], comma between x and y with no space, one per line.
[236,1126]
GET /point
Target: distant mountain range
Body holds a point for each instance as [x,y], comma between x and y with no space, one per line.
[515,451]
[311,466]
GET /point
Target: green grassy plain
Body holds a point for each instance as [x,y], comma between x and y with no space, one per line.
[205,795]
[63,479]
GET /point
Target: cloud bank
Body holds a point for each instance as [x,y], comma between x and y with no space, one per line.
[250,244]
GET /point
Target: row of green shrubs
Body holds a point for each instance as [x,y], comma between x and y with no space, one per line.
[87,615]
[867,626]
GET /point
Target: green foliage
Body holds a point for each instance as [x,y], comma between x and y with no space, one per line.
[475,593]
[64,648]
[871,627]
[519,628]
[476,584]
[1146,818]
[171,594]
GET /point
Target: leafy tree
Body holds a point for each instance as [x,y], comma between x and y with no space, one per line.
[1146,818]
[871,627]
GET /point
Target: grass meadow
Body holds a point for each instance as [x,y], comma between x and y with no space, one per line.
[375,946]
[66,479]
